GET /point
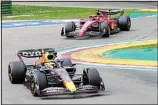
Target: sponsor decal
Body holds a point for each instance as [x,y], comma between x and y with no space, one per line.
[55,89]
[31,53]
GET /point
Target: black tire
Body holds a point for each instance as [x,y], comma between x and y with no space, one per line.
[62,31]
[124,23]
[70,27]
[38,79]
[105,29]
[16,72]
[66,61]
[92,77]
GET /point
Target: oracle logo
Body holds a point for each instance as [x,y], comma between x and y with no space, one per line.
[31,54]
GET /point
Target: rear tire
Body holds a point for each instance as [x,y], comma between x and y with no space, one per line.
[105,29]
[70,27]
[91,76]
[38,82]
[16,72]
[124,23]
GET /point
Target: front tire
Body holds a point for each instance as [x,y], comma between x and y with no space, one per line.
[16,72]
[91,76]
[38,82]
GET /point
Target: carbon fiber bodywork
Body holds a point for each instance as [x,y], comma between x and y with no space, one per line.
[87,89]
[89,33]
[57,77]
[102,24]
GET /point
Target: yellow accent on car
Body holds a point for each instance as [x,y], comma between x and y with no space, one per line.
[70,86]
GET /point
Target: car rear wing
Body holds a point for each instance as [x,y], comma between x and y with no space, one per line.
[33,53]
[111,11]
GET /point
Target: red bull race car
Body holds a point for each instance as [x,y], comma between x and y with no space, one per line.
[49,76]
[104,23]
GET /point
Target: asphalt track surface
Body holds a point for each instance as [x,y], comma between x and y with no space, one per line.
[123,86]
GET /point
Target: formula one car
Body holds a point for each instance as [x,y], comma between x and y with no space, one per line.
[50,76]
[103,23]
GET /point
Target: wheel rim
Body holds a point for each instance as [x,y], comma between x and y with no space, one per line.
[33,86]
[129,24]
[104,31]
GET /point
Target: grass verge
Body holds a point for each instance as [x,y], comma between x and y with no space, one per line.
[25,12]
[141,47]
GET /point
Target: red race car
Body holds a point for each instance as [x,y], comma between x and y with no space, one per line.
[103,23]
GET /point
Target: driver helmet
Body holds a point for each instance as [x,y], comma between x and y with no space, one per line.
[49,57]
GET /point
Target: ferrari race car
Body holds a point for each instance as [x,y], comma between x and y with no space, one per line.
[103,23]
[50,76]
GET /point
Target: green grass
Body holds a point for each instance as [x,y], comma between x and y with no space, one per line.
[142,46]
[51,12]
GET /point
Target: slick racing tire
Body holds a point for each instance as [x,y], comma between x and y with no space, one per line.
[124,23]
[70,27]
[91,77]
[16,72]
[38,82]
[105,29]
